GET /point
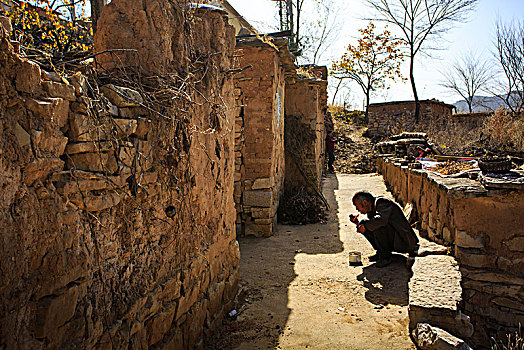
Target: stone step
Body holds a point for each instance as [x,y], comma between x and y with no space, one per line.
[435,293]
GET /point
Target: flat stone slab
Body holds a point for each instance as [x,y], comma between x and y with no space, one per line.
[513,179]
[435,283]
[435,293]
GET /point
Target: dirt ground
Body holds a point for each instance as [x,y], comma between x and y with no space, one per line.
[297,290]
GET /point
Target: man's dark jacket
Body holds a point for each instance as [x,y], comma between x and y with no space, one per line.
[385,213]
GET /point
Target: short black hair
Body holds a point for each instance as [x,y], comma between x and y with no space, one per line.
[363,195]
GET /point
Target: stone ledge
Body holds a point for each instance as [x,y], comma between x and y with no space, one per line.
[435,293]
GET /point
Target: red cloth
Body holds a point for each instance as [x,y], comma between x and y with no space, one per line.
[330,143]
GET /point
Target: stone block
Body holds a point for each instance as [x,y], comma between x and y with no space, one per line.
[96,203]
[6,23]
[428,337]
[493,277]
[464,240]
[73,182]
[133,112]
[53,312]
[122,96]
[40,169]
[509,303]
[125,127]
[159,325]
[470,258]
[88,147]
[54,110]
[446,234]
[79,82]
[22,136]
[263,183]
[258,198]
[435,293]
[27,77]
[143,127]
[515,244]
[261,213]
[61,90]
[98,162]
[253,229]
[188,300]
[83,129]
[263,221]
[49,144]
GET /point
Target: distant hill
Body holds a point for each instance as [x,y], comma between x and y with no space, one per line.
[480,104]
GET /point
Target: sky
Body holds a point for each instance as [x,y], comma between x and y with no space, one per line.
[476,36]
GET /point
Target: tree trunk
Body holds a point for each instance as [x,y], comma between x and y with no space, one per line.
[367,106]
[413,87]
[336,91]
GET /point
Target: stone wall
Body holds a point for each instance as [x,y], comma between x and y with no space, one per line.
[391,118]
[484,229]
[118,218]
[261,167]
[305,103]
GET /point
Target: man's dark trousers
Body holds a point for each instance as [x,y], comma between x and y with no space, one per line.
[382,240]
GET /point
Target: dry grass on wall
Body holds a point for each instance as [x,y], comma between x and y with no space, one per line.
[505,131]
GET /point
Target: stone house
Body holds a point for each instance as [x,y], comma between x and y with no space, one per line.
[390,118]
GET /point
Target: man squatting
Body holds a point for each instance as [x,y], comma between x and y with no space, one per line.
[386,227]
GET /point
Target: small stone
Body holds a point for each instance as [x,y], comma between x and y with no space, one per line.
[428,337]
[22,136]
[41,168]
[121,96]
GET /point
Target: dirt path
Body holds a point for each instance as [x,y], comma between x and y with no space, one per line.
[297,290]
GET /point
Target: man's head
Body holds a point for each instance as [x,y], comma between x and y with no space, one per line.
[363,201]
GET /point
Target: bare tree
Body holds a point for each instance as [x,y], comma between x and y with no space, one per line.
[320,31]
[419,21]
[341,84]
[510,55]
[468,76]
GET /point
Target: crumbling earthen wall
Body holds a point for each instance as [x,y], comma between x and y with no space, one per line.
[304,101]
[117,217]
[262,88]
[486,233]
[394,117]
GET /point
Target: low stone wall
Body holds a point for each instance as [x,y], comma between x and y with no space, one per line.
[484,229]
[117,220]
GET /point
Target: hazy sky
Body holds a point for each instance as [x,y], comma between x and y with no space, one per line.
[477,35]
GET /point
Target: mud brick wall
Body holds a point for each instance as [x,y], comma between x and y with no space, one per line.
[261,173]
[394,117]
[304,101]
[485,229]
[117,226]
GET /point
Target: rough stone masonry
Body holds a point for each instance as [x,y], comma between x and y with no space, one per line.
[117,223]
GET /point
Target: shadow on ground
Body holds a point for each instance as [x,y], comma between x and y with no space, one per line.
[387,285]
[266,272]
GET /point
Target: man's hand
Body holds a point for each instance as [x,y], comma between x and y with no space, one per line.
[361,228]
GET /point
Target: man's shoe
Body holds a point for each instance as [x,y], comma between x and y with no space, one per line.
[383,262]
[373,257]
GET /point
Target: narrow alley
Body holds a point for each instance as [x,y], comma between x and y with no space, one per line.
[298,291]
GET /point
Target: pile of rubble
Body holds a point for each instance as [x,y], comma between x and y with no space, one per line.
[354,153]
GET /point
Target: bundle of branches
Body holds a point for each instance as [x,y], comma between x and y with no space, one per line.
[302,202]
[299,206]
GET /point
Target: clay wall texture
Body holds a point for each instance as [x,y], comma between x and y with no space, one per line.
[262,87]
[304,101]
[485,229]
[394,117]
[90,257]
